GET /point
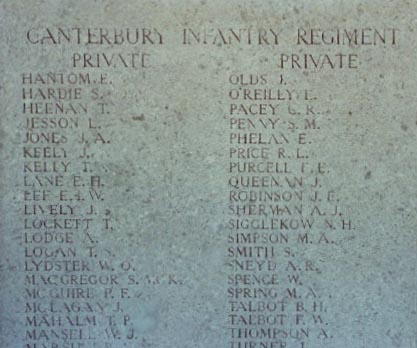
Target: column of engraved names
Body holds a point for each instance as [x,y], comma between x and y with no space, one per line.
[278,210]
[71,288]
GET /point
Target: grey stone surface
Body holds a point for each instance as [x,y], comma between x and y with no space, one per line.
[160,165]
